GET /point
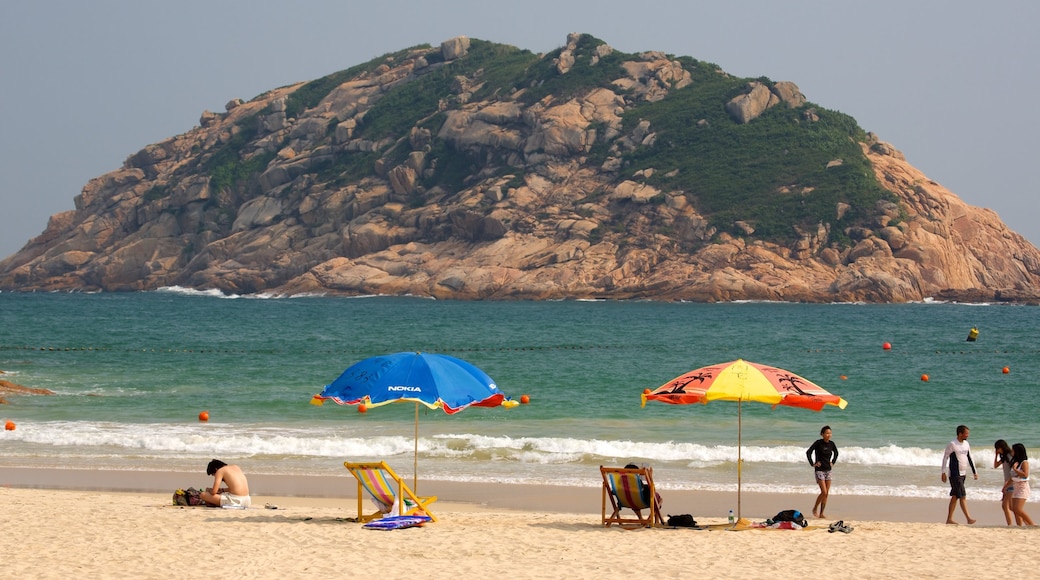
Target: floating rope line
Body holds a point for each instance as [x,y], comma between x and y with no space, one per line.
[918,352]
[478,349]
[327,351]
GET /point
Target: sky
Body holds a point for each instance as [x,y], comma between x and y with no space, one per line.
[84,85]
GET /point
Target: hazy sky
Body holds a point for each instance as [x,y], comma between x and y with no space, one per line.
[85,84]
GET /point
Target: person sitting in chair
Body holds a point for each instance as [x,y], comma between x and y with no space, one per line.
[644,488]
[235,492]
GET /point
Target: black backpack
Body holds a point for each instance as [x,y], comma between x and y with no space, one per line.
[682,521]
[791,516]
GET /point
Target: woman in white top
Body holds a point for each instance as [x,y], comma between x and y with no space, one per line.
[1020,481]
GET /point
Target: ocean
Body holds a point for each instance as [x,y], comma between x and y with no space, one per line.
[132,372]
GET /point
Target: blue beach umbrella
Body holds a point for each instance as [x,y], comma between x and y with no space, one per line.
[438,381]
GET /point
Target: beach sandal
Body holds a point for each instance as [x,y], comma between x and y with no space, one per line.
[836,526]
[270,506]
[845,529]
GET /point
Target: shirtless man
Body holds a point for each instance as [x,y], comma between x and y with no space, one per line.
[235,492]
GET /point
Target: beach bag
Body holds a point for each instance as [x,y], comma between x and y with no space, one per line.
[188,497]
[794,516]
[682,521]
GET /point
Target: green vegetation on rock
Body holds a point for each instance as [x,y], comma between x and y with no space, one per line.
[227,166]
[542,78]
[310,94]
[771,173]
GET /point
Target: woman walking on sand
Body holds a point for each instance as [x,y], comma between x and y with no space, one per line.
[1002,458]
[1020,480]
[826,453]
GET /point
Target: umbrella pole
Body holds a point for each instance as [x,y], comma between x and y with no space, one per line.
[740,461]
[415,456]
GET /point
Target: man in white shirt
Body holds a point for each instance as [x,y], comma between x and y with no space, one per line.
[958,456]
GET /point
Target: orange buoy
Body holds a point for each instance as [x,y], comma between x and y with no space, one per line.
[1005,370]
[924,378]
[525,399]
[843,377]
[204,416]
[362,409]
[9,426]
[886,346]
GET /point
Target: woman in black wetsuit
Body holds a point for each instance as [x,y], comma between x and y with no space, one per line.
[826,453]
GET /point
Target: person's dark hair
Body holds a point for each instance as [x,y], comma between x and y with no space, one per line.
[1019,453]
[214,466]
[631,466]
[1003,449]
[961,429]
[825,427]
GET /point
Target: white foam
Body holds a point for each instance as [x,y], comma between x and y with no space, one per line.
[211,293]
[883,471]
[337,442]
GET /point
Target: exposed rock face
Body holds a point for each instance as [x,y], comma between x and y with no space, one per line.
[748,106]
[274,218]
[9,388]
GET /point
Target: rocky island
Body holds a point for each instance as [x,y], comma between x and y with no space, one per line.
[480,171]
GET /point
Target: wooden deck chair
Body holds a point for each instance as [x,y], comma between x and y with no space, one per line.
[385,487]
[633,489]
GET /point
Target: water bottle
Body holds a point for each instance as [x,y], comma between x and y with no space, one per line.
[732,520]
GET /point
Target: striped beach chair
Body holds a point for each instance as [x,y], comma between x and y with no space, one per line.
[633,489]
[387,489]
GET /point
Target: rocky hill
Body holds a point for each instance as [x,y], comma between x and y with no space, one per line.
[475,170]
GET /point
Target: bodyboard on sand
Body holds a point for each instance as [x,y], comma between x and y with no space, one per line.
[397,522]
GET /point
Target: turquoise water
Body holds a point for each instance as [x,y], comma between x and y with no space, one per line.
[133,371]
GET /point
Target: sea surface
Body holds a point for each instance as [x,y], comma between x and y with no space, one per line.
[132,372]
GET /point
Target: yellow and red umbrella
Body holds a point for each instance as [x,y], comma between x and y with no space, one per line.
[741,381]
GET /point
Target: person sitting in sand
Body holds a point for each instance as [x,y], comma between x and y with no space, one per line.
[235,492]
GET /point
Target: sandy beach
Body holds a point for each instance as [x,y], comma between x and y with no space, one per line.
[94,524]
